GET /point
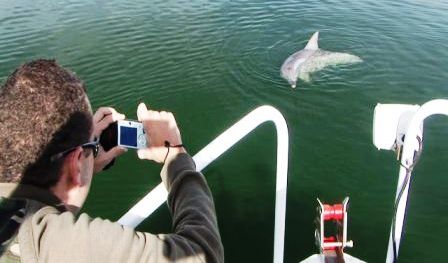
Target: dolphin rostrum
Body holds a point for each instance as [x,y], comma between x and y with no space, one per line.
[310,59]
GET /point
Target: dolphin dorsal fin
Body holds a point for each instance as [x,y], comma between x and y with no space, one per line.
[312,43]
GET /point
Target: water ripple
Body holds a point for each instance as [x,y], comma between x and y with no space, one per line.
[211,61]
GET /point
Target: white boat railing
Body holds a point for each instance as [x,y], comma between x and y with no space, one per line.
[410,146]
[146,206]
[413,131]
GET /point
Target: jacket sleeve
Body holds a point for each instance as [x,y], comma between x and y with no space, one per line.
[64,238]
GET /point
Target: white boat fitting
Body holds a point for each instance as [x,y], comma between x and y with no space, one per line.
[146,206]
[332,245]
[399,127]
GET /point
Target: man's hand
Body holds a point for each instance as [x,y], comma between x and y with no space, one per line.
[102,118]
[160,126]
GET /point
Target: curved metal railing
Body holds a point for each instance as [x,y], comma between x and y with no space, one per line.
[410,146]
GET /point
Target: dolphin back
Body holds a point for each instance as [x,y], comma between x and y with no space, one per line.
[310,59]
[323,58]
[336,58]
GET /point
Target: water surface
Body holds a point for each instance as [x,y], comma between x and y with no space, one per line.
[211,62]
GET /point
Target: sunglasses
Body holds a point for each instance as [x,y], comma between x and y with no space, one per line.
[95,146]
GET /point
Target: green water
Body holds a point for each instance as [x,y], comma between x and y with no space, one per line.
[211,62]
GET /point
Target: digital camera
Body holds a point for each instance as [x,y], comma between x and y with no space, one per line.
[126,133]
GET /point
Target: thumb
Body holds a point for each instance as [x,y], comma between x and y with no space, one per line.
[156,154]
[142,111]
[115,152]
[145,153]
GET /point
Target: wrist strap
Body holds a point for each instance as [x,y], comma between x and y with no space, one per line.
[168,146]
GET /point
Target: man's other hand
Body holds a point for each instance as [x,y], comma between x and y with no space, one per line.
[160,126]
[102,118]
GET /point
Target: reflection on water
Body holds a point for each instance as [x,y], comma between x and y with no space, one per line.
[212,62]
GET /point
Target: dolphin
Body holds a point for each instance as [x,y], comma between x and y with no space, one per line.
[311,59]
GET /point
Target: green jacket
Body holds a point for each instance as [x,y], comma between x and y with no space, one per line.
[46,232]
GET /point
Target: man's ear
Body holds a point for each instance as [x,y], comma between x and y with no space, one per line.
[74,160]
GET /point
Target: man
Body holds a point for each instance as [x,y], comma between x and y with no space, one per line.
[48,155]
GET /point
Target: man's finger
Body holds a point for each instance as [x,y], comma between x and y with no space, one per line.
[156,154]
[101,112]
[115,152]
[145,154]
[106,121]
[142,112]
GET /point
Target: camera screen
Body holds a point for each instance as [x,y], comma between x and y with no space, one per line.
[128,136]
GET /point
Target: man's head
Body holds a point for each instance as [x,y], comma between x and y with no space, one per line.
[44,110]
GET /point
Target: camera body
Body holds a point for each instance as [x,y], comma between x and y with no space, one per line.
[126,133]
[131,134]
